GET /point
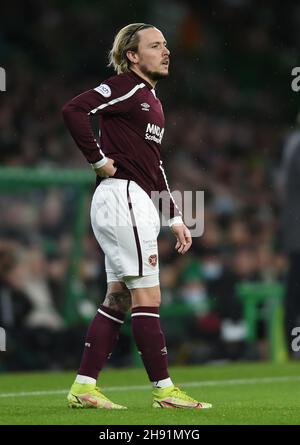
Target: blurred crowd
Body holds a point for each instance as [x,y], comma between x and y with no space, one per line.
[229,107]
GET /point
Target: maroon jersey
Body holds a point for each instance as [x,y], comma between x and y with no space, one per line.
[131,130]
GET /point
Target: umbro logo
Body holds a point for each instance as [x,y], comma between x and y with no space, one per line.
[145,106]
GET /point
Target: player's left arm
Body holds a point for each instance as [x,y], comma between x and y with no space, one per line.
[183,237]
[174,215]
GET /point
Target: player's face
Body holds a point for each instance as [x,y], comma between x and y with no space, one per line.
[153,54]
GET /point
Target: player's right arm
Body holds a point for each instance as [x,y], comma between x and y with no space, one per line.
[77,112]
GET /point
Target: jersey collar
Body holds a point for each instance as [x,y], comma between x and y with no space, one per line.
[140,79]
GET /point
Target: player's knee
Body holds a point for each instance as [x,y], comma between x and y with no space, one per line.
[145,300]
[118,300]
[146,296]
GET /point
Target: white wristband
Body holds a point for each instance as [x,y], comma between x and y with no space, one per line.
[175,220]
[100,163]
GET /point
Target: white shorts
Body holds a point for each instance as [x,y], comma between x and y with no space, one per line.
[126,225]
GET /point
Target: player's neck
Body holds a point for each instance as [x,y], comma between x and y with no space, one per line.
[144,76]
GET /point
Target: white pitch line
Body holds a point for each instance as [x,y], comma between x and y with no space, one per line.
[253,381]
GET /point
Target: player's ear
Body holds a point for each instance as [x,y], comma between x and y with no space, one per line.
[132,56]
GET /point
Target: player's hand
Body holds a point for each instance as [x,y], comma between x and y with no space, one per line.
[107,170]
[183,236]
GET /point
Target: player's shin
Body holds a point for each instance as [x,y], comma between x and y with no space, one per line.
[101,338]
[151,344]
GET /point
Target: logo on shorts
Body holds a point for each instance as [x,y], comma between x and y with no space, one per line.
[152,260]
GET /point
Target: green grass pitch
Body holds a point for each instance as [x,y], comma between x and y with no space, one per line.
[241,394]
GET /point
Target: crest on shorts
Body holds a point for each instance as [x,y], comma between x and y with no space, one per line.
[152,260]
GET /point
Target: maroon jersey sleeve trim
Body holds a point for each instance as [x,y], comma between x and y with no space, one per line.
[117,99]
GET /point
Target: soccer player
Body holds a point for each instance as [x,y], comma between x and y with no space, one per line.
[124,219]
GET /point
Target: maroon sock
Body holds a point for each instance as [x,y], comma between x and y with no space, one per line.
[101,338]
[150,341]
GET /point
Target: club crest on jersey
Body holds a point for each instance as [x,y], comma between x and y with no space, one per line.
[145,106]
[152,260]
[154,133]
[104,90]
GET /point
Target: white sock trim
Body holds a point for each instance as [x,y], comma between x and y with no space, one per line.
[110,316]
[163,383]
[148,314]
[85,379]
